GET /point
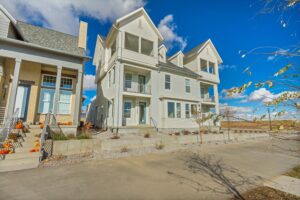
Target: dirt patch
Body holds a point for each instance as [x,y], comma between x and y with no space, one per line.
[263,193]
[295,172]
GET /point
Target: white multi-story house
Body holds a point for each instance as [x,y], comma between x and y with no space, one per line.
[139,86]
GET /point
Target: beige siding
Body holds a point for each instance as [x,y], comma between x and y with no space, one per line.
[4,24]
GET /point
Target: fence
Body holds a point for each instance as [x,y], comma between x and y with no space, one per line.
[8,125]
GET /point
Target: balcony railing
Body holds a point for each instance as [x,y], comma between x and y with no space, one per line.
[208,98]
[139,89]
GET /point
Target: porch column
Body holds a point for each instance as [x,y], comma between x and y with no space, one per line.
[216,94]
[118,101]
[57,87]
[77,110]
[14,88]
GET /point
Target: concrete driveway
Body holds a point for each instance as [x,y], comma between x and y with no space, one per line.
[157,176]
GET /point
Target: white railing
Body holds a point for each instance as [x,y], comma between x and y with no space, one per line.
[137,88]
[206,98]
[9,124]
[154,123]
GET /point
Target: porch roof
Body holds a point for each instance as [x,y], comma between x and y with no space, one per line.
[182,70]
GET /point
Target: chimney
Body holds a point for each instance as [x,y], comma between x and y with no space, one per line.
[82,37]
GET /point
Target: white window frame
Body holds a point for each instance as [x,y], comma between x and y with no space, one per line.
[130,80]
[166,82]
[187,85]
[178,111]
[174,107]
[130,110]
[187,115]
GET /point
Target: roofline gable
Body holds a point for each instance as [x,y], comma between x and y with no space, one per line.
[143,12]
[176,54]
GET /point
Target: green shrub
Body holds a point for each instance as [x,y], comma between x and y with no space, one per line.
[83,136]
[58,136]
[71,137]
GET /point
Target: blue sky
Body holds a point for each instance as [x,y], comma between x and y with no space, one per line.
[235,27]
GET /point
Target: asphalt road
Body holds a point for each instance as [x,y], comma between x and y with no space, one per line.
[177,175]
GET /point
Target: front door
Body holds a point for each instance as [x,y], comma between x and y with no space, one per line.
[22,101]
[142,82]
[142,113]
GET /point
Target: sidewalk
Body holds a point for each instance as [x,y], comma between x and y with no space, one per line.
[286,184]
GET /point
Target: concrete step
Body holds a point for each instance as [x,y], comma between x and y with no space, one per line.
[18,164]
[20,155]
[24,149]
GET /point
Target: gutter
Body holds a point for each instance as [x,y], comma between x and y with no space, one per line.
[26,44]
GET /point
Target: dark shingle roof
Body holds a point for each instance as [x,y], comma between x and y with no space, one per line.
[194,50]
[50,39]
[182,70]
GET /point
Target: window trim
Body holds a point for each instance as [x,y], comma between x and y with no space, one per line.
[206,66]
[178,116]
[168,116]
[188,85]
[187,105]
[152,54]
[44,86]
[138,50]
[124,108]
[167,82]
[130,80]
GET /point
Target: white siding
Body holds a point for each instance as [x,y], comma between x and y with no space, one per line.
[4,24]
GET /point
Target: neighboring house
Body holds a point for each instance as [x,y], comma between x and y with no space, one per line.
[41,71]
[139,86]
[90,113]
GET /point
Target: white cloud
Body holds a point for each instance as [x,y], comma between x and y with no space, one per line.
[264,95]
[167,28]
[237,109]
[93,98]
[223,67]
[270,58]
[89,82]
[63,15]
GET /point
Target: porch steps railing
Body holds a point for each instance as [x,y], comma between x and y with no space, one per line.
[2,114]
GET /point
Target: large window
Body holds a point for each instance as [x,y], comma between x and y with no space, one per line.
[147,47]
[178,110]
[128,80]
[187,85]
[131,42]
[171,109]
[203,65]
[48,92]
[167,82]
[127,109]
[187,111]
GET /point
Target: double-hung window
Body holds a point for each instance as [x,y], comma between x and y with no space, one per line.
[127,109]
[47,94]
[187,85]
[178,110]
[171,109]
[187,111]
[167,82]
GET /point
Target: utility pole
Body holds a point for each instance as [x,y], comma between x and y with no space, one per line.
[270,122]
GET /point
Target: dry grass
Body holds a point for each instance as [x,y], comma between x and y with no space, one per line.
[295,172]
[288,124]
[263,193]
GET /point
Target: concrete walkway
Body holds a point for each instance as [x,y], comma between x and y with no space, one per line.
[155,176]
[286,184]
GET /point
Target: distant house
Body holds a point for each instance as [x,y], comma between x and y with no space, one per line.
[139,86]
[41,71]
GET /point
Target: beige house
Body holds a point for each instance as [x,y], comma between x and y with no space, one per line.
[139,86]
[41,71]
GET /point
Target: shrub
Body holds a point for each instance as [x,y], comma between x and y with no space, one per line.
[186,132]
[177,133]
[195,132]
[71,137]
[147,135]
[58,136]
[124,149]
[83,136]
[159,146]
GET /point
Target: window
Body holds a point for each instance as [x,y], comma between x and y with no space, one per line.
[66,83]
[187,111]
[128,80]
[147,47]
[211,68]
[49,81]
[46,100]
[114,76]
[127,109]
[203,65]
[131,42]
[64,103]
[108,108]
[178,110]
[109,78]
[167,82]
[194,110]
[113,48]
[48,92]
[171,109]
[187,85]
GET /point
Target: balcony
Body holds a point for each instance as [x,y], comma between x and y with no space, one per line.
[207,98]
[138,89]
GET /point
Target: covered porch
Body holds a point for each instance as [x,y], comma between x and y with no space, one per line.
[37,81]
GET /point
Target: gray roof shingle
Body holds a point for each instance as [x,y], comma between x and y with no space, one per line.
[182,70]
[50,39]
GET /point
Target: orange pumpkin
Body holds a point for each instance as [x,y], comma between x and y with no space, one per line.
[19,125]
[41,126]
